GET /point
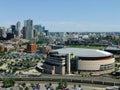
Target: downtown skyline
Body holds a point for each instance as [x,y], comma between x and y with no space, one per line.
[64,16]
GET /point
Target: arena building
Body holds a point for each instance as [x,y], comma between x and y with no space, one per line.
[114,50]
[79,60]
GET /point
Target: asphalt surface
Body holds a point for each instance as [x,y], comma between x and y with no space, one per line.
[87,83]
[72,78]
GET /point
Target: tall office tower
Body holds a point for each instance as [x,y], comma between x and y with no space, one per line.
[24,32]
[28,24]
[2,32]
[38,31]
[13,27]
[18,29]
[9,30]
[35,33]
[38,28]
[46,32]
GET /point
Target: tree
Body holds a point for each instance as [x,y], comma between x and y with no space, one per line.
[74,86]
[79,85]
[28,65]
[12,81]
[14,70]
[65,84]
[60,85]
[8,82]
[23,84]
[26,88]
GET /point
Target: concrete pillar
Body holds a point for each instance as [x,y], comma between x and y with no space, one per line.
[63,70]
[53,70]
[68,64]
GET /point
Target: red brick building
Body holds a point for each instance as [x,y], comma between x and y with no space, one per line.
[31,47]
[2,48]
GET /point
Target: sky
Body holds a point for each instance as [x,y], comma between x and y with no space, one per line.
[63,15]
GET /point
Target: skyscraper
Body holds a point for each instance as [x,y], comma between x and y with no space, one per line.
[39,29]
[13,27]
[28,24]
[2,32]
[24,30]
[18,29]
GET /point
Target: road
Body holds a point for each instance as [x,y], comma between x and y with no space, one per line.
[72,78]
[98,80]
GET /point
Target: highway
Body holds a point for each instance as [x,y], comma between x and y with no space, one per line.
[72,78]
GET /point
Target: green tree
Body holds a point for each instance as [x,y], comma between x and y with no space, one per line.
[28,65]
[24,84]
[79,85]
[74,86]
[8,82]
[65,84]
[14,70]
[60,85]
[26,88]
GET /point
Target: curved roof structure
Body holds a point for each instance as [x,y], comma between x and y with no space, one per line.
[82,52]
